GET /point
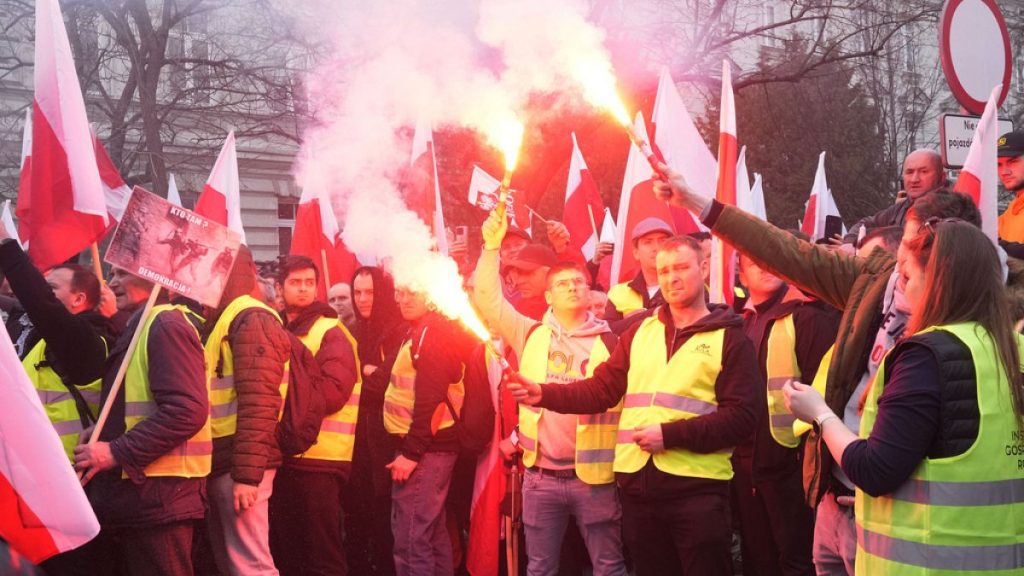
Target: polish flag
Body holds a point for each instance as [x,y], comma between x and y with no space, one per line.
[979,176]
[820,205]
[173,196]
[749,198]
[115,191]
[318,236]
[678,142]
[722,261]
[485,518]
[43,510]
[636,203]
[420,188]
[583,214]
[61,208]
[221,199]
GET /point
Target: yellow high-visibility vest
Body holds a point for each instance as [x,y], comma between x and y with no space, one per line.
[660,392]
[595,433]
[57,401]
[193,457]
[400,397]
[963,514]
[625,299]
[220,368]
[781,366]
[338,431]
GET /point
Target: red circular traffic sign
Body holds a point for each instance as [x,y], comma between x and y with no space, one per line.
[974,46]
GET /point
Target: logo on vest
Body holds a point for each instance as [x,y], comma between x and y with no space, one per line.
[704,349]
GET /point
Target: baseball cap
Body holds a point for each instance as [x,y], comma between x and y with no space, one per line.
[516,231]
[532,257]
[1011,144]
[650,225]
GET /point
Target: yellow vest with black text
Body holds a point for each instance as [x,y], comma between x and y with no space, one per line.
[962,514]
[595,433]
[781,366]
[661,391]
[57,401]
[338,430]
[400,397]
[190,459]
[625,299]
[220,368]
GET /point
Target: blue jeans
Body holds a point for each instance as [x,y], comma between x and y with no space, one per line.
[548,503]
[422,546]
[835,538]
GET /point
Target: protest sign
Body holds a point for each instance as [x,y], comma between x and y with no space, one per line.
[174,247]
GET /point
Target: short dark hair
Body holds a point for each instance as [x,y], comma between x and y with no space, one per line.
[291,263]
[889,236]
[700,235]
[676,242]
[944,203]
[566,265]
[84,281]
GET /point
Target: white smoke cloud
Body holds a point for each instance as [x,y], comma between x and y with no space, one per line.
[457,63]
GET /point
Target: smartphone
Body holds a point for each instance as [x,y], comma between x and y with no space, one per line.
[833,226]
[461,233]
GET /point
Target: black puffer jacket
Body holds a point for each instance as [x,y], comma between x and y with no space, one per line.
[259,347]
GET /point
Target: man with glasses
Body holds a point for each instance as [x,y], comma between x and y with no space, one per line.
[568,457]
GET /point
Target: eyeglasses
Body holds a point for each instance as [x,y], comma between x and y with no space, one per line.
[932,223]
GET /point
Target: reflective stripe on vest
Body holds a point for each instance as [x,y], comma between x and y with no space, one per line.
[781,366]
[660,391]
[595,433]
[964,513]
[58,403]
[625,299]
[400,397]
[337,431]
[220,368]
[193,457]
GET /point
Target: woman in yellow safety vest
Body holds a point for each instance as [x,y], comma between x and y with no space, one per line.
[939,463]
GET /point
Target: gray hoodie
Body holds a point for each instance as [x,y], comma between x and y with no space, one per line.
[567,356]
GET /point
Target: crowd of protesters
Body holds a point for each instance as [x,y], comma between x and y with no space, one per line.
[857,409]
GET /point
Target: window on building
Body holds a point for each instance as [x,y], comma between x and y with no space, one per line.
[285,223]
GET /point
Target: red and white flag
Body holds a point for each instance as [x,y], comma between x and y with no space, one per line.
[318,236]
[483,193]
[420,188]
[636,203]
[979,176]
[173,196]
[221,199]
[583,214]
[677,140]
[485,518]
[61,209]
[115,190]
[820,205]
[43,510]
[722,261]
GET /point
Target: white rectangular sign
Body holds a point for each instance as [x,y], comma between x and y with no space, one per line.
[956,132]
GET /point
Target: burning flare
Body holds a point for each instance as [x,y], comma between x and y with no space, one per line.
[599,89]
